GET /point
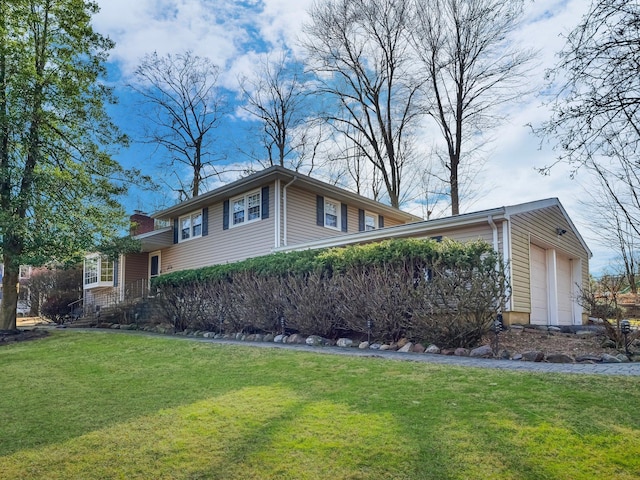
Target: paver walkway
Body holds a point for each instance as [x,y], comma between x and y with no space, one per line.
[627,369]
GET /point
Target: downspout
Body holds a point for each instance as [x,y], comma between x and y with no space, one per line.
[494,230]
[506,256]
[284,196]
[277,214]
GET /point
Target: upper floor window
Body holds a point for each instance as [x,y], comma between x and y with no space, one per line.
[190,226]
[331,213]
[246,209]
[370,221]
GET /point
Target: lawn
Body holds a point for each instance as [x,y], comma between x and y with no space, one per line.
[98,405]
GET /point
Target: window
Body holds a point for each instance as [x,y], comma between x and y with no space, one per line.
[98,271]
[191,226]
[370,221]
[246,209]
[25,272]
[154,264]
[331,213]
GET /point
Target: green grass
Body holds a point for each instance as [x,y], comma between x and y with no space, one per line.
[101,406]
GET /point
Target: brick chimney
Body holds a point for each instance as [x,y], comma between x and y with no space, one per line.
[141,223]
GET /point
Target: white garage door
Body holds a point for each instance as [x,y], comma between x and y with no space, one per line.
[565,302]
[539,297]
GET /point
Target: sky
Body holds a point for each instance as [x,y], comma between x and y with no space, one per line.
[232,33]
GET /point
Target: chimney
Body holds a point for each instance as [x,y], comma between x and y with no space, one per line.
[141,223]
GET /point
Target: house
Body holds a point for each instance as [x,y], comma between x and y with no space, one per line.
[278,210]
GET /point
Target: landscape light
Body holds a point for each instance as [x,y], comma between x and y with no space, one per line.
[625,328]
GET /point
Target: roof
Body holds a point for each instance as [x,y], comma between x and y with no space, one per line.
[271,174]
[424,227]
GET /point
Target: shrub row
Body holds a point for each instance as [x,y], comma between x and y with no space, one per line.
[446,293]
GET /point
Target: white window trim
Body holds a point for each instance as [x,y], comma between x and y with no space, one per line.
[245,197]
[375,220]
[190,216]
[338,225]
[98,282]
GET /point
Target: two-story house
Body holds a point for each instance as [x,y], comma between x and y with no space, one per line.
[281,210]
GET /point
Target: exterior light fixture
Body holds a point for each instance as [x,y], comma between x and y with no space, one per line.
[560,231]
[283,324]
[498,325]
[369,327]
[625,328]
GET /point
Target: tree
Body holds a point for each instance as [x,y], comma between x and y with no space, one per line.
[58,183]
[472,69]
[184,106]
[359,52]
[278,98]
[595,120]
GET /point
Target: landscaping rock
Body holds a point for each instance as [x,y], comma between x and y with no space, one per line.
[385,347]
[588,358]
[432,349]
[461,352]
[606,358]
[554,329]
[268,337]
[344,342]
[115,326]
[483,351]
[402,342]
[406,347]
[585,333]
[315,340]
[418,348]
[448,351]
[517,356]
[297,339]
[375,346]
[533,356]
[608,343]
[363,345]
[278,338]
[209,335]
[504,354]
[559,358]
[623,358]
[239,336]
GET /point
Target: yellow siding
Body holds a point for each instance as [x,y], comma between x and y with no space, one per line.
[223,246]
[301,218]
[544,223]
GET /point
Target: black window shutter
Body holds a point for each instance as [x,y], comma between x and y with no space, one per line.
[225,215]
[116,268]
[360,220]
[205,221]
[175,230]
[343,214]
[320,211]
[265,202]
[380,221]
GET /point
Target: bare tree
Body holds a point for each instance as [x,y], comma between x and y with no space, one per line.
[279,99]
[472,69]
[358,50]
[184,107]
[595,120]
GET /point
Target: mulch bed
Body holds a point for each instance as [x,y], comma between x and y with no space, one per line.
[12,336]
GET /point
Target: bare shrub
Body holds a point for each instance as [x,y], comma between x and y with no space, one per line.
[311,304]
[383,295]
[258,300]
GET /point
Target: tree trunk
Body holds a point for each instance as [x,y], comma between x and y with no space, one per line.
[9,303]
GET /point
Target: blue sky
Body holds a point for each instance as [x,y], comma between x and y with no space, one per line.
[233,34]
